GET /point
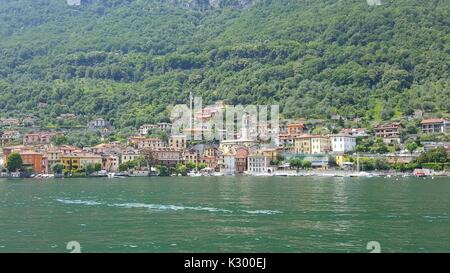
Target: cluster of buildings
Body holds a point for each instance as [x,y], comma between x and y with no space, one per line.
[239,154]
[41,157]
[11,132]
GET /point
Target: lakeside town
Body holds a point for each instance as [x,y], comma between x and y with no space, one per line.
[303,147]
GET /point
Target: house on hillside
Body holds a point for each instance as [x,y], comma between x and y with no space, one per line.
[435,125]
[98,123]
[342,143]
[73,2]
[389,132]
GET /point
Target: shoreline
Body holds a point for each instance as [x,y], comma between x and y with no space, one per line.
[335,174]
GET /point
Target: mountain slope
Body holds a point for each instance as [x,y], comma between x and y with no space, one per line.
[129,61]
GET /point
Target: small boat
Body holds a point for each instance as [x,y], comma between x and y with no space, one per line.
[139,173]
[111,175]
[194,174]
[422,172]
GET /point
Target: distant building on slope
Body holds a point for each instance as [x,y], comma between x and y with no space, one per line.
[374,2]
[389,132]
[98,123]
[73,2]
[342,143]
[435,125]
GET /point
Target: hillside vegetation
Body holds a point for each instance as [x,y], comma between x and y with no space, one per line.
[130,61]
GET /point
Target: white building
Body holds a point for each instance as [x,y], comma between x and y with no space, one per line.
[143,130]
[163,126]
[342,143]
[357,132]
[258,164]
[229,165]
[98,123]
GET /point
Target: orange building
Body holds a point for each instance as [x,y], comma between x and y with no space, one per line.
[33,159]
[241,159]
[295,129]
[146,142]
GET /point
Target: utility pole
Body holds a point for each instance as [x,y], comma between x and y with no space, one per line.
[357,162]
[191,106]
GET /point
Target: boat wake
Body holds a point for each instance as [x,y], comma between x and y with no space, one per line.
[159,207]
[262,211]
[79,202]
[167,207]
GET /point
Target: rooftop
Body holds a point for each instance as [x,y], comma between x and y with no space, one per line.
[342,135]
[432,120]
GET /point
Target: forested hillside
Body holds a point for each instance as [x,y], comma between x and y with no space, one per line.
[130,60]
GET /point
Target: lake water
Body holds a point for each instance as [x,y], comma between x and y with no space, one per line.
[225,214]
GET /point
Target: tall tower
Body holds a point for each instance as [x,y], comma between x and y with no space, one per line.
[245,125]
[191,111]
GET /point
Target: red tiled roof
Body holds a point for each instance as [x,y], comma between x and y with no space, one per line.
[432,120]
[301,125]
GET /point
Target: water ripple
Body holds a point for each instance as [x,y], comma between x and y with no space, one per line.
[160,207]
[79,202]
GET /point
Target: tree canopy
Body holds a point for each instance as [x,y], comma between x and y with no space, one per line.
[130,61]
[14,162]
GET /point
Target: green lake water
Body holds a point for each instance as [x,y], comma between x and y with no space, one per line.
[225,214]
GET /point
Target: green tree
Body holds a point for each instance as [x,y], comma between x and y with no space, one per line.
[181,169]
[280,158]
[97,167]
[307,164]
[190,165]
[437,155]
[28,170]
[352,63]
[89,168]
[274,162]
[411,146]
[57,168]
[163,170]
[379,147]
[59,140]
[14,162]
[332,161]
[123,167]
[149,157]
[296,163]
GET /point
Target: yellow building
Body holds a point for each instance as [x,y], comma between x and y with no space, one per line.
[78,161]
[178,141]
[312,144]
[271,153]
